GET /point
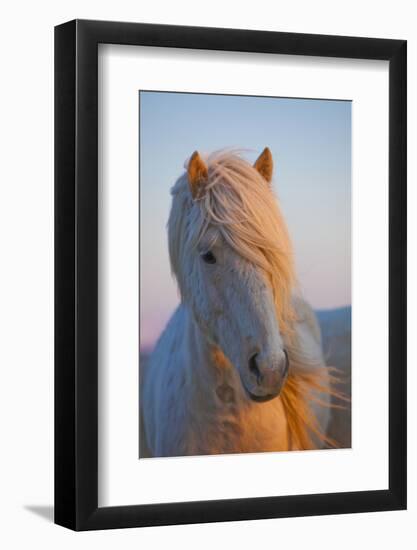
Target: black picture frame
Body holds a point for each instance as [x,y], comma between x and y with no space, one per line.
[76,272]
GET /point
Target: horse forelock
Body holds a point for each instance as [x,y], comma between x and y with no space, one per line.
[240,205]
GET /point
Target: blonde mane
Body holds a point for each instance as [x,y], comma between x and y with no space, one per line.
[240,205]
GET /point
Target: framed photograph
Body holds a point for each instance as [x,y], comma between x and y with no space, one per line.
[230,256]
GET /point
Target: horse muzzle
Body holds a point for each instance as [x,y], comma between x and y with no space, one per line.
[266,376]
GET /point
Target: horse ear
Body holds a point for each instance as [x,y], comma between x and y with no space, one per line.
[265,165]
[197,174]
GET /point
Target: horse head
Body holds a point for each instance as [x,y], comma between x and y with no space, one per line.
[231,255]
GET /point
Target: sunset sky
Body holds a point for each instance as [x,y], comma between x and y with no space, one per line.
[311,144]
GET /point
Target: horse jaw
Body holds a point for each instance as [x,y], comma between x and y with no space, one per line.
[235,310]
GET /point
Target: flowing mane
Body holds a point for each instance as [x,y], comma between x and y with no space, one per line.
[239,205]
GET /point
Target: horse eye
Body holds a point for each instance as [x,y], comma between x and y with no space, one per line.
[209,257]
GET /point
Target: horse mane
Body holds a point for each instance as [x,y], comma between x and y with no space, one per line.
[304,387]
[240,205]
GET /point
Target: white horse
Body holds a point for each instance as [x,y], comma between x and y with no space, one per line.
[239,367]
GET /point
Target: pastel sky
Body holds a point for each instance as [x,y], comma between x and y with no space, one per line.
[311,144]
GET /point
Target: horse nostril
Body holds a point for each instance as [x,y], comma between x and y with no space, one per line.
[253,367]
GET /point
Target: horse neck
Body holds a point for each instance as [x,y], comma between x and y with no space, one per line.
[208,367]
[220,416]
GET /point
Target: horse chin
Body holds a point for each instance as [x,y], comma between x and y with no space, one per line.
[261,398]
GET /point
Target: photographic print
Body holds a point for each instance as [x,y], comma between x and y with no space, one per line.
[245,274]
[213,191]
